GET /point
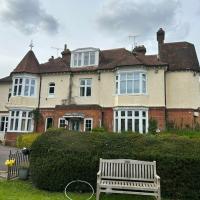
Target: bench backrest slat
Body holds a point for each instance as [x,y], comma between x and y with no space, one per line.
[125,169]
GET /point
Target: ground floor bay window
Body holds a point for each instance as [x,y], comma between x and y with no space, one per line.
[20,121]
[132,120]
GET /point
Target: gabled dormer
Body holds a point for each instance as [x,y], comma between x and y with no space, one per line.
[85,57]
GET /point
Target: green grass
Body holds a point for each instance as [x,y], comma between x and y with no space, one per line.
[21,190]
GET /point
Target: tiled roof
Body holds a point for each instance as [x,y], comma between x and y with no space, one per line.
[108,59]
[6,79]
[29,64]
[179,55]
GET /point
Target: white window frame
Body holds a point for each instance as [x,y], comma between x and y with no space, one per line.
[85,119]
[51,94]
[61,118]
[141,80]
[79,55]
[20,117]
[85,86]
[5,123]
[133,117]
[23,85]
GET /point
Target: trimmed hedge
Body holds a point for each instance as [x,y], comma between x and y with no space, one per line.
[59,157]
[26,139]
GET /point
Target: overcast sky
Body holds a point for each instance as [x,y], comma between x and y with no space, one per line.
[103,24]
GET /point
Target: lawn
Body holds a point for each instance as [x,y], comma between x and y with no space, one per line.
[20,190]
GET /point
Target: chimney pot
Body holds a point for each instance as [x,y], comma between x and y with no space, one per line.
[139,50]
[160,36]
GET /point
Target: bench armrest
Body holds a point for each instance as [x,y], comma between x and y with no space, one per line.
[157,179]
[98,176]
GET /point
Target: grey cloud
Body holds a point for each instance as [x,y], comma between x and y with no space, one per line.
[28,17]
[143,17]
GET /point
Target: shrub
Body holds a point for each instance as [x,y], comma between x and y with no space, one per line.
[99,129]
[26,139]
[59,157]
[153,125]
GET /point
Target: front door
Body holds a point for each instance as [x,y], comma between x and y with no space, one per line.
[75,125]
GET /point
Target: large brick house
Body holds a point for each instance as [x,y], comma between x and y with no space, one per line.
[117,89]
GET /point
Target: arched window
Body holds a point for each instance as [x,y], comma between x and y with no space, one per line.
[51,89]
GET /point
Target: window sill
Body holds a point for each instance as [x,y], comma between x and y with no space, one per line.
[132,94]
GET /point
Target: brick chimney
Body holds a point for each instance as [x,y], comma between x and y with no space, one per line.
[66,54]
[160,39]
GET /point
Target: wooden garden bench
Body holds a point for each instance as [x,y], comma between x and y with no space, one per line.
[128,177]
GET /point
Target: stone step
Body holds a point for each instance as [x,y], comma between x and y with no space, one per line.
[3,174]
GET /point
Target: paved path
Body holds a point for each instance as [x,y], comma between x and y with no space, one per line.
[4,152]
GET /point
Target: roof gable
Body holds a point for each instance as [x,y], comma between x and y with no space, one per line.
[28,64]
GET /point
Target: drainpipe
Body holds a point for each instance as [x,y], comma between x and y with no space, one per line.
[70,89]
[165,93]
[38,107]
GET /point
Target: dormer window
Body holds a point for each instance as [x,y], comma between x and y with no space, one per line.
[85,57]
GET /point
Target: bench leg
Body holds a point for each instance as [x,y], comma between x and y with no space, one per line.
[97,193]
[159,195]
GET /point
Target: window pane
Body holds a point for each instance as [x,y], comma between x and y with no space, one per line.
[136,86]
[82,91]
[136,113]
[130,76]
[20,90]
[29,125]
[92,58]
[129,124]
[26,90]
[122,76]
[116,113]
[122,87]
[17,113]
[75,60]
[32,91]
[129,113]
[88,82]
[122,113]
[79,59]
[86,58]
[136,125]
[129,87]
[144,113]
[62,123]
[11,124]
[16,124]
[88,91]
[82,82]
[23,114]
[122,125]
[32,82]
[27,81]
[23,124]
[15,90]
[144,125]
[16,81]
[143,83]
[20,80]
[136,76]
[116,125]
[51,90]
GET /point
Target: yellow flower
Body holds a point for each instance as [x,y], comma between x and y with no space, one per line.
[10,163]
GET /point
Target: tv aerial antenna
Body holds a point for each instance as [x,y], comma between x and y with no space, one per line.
[132,40]
[57,49]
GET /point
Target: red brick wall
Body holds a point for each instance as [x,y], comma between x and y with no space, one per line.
[159,115]
[182,117]
[96,114]
[10,138]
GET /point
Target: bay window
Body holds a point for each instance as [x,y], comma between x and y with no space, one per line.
[21,121]
[24,86]
[132,120]
[131,83]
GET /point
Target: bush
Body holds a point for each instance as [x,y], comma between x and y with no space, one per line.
[26,139]
[153,125]
[99,130]
[59,157]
